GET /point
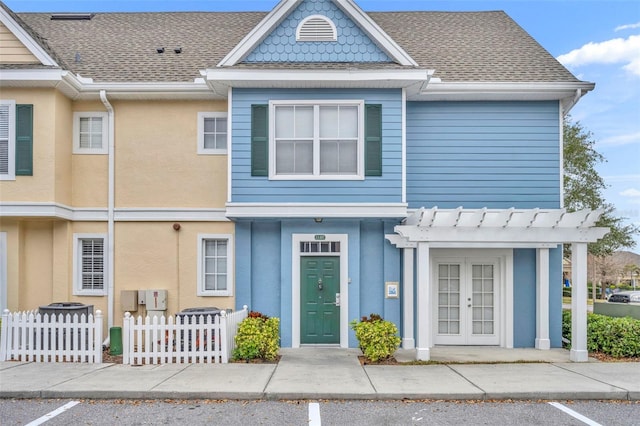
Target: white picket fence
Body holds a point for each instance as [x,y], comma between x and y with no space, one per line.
[33,337]
[180,340]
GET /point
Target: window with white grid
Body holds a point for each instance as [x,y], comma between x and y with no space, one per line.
[215,268]
[212,133]
[90,264]
[90,133]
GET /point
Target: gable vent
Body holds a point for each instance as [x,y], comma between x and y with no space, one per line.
[72,16]
[316,28]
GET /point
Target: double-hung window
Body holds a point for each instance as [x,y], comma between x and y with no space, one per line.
[317,140]
[90,133]
[89,264]
[212,133]
[215,269]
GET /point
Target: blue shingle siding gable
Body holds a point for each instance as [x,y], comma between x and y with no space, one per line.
[373,189]
[352,44]
[483,154]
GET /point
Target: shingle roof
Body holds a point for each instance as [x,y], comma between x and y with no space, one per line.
[121,47]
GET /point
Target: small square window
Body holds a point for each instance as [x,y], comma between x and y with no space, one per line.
[212,133]
[90,133]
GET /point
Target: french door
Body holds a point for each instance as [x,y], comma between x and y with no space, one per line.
[466,299]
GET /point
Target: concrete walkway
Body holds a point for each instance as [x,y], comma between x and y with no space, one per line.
[329,373]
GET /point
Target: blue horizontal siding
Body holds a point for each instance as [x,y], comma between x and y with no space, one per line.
[384,189]
[483,154]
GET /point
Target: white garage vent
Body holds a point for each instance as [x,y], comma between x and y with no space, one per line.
[316,28]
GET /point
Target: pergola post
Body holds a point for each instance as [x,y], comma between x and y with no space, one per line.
[542,299]
[423,301]
[579,351]
[408,341]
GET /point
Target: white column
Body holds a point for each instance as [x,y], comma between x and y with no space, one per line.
[542,299]
[423,303]
[408,341]
[579,351]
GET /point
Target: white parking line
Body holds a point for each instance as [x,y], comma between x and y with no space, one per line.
[314,414]
[574,414]
[54,413]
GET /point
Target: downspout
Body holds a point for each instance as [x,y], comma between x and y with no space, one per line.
[110,215]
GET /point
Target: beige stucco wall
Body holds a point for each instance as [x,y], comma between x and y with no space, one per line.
[157,164]
[152,255]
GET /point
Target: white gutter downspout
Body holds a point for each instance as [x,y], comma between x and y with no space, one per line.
[110,216]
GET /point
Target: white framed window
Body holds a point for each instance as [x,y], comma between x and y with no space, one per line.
[215,266]
[90,132]
[89,264]
[7,140]
[212,133]
[321,140]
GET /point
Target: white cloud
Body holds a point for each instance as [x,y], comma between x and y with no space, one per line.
[631,193]
[627,27]
[628,139]
[615,51]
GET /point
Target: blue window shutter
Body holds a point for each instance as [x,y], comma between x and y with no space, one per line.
[373,140]
[24,140]
[259,140]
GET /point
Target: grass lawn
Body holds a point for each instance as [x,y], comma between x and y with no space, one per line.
[567,301]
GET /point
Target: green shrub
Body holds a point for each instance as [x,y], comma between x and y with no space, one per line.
[618,337]
[378,338]
[258,337]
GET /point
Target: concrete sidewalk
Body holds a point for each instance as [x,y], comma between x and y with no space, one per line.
[328,373]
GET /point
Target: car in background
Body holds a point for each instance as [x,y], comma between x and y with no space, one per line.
[625,297]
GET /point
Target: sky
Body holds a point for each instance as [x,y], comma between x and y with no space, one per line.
[599,41]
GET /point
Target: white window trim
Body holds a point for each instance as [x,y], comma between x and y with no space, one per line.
[209,151]
[11,175]
[77,266]
[359,175]
[76,132]
[230,265]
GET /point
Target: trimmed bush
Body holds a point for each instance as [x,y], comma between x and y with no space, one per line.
[258,337]
[617,337]
[378,338]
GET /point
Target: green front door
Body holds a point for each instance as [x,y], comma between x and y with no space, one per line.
[319,284]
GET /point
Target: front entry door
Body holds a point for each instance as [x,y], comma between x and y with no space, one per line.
[466,296]
[319,292]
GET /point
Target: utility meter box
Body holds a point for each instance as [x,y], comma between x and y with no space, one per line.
[156,300]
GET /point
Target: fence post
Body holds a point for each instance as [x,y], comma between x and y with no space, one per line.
[126,329]
[97,343]
[224,345]
[4,335]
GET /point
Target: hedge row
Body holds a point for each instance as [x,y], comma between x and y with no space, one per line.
[618,337]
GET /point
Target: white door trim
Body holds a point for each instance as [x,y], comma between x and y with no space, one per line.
[504,302]
[3,272]
[343,239]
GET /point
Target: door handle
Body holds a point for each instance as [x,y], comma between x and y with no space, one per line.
[320,286]
[337,303]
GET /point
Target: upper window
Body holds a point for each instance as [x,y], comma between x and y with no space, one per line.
[215,270]
[89,264]
[90,133]
[7,139]
[316,140]
[212,133]
[316,28]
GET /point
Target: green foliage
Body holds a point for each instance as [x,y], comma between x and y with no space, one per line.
[378,338]
[583,188]
[618,337]
[258,337]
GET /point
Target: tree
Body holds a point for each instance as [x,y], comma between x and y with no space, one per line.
[583,188]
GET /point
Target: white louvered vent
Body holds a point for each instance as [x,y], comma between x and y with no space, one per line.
[316,28]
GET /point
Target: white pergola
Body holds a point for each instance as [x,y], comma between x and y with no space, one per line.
[541,229]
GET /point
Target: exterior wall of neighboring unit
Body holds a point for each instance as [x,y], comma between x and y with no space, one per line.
[483,154]
[12,51]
